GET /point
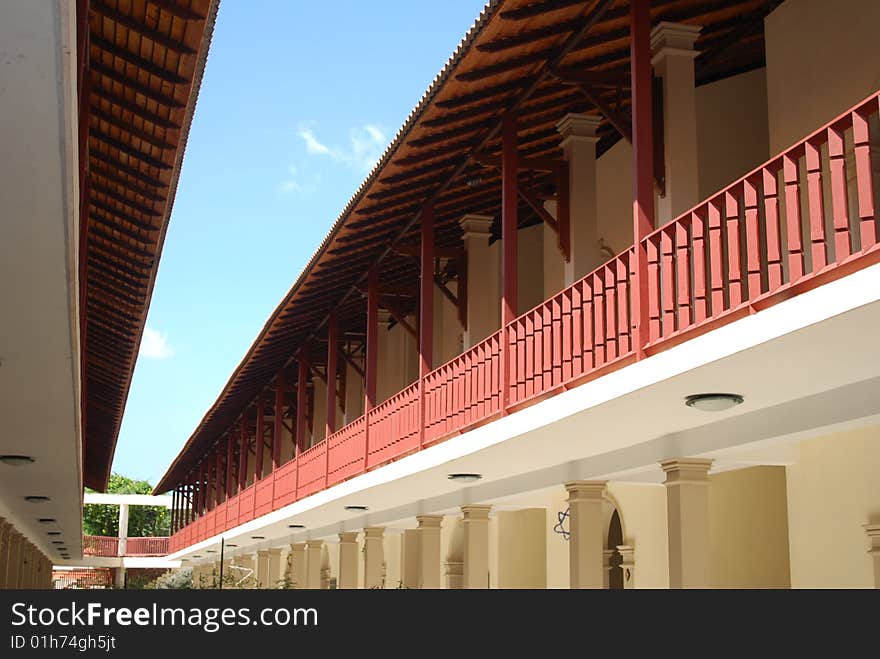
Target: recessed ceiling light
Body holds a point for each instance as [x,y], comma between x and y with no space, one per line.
[36,499]
[16,460]
[197,555]
[465,478]
[58,542]
[258,537]
[356,508]
[296,526]
[54,533]
[62,549]
[229,544]
[210,551]
[46,520]
[713,402]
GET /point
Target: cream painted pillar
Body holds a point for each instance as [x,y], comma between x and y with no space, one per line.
[873,531]
[476,546]
[195,576]
[374,557]
[249,562]
[5,532]
[585,533]
[429,550]
[313,564]
[263,569]
[628,565]
[298,562]
[454,563]
[553,264]
[348,560]
[484,279]
[672,45]
[275,574]
[394,344]
[409,558]
[607,555]
[325,568]
[579,146]
[123,528]
[354,393]
[687,513]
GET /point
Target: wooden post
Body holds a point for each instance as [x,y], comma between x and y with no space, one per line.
[332,357]
[230,470]
[509,226]
[243,453]
[278,422]
[426,312]
[643,174]
[218,468]
[301,403]
[372,359]
[258,438]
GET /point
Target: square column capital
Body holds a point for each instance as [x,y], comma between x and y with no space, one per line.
[873,533]
[476,226]
[476,512]
[274,551]
[348,537]
[429,521]
[585,490]
[315,544]
[262,553]
[298,546]
[693,471]
[373,532]
[673,39]
[578,128]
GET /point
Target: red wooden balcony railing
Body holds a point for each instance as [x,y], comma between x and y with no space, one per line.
[803,218]
[96,545]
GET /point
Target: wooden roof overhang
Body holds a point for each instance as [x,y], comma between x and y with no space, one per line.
[542,59]
[140,68]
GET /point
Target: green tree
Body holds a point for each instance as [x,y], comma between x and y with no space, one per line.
[143,521]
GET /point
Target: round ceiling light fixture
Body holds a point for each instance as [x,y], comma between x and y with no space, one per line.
[713,402]
[356,508]
[16,460]
[36,499]
[465,478]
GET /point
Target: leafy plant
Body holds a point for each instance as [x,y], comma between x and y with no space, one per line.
[143,521]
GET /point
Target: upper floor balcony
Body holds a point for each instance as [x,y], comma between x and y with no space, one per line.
[112,547]
[802,219]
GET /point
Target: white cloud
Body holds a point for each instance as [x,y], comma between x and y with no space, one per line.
[294,184]
[365,144]
[154,344]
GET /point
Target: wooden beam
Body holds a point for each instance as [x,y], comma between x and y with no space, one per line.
[524,164]
[594,79]
[140,28]
[132,84]
[100,115]
[133,108]
[399,316]
[332,354]
[133,205]
[426,295]
[620,123]
[128,150]
[145,65]
[415,251]
[538,208]
[536,9]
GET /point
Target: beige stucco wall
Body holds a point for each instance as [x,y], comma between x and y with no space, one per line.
[833,490]
[822,58]
[748,528]
[642,510]
[557,546]
[732,133]
[522,548]
[530,267]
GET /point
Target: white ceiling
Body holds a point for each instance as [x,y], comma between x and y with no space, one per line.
[39,341]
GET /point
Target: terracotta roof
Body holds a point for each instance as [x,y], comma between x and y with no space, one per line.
[141,64]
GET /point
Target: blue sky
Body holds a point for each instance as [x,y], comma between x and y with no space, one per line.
[298,101]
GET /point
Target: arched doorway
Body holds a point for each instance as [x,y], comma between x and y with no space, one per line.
[615,538]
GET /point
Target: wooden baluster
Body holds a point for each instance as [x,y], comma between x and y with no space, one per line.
[667,281]
[716,256]
[734,269]
[753,240]
[609,278]
[531,357]
[578,347]
[818,248]
[698,236]
[864,180]
[839,211]
[556,334]
[771,225]
[653,249]
[683,273]
[598,319]
[621,266]
[547,339]
[588,324]
[793,217]
[567,332]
